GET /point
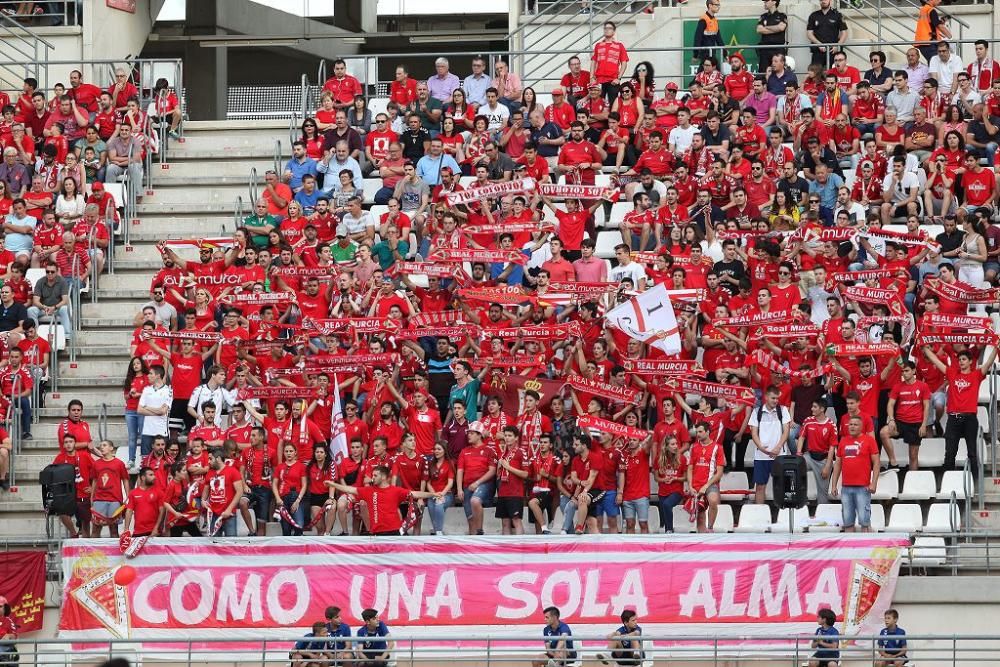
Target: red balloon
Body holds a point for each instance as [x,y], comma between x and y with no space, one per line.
[125,575]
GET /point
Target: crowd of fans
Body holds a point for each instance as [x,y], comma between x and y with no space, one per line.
[460,324]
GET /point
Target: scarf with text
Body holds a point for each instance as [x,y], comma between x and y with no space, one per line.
[587,423]
[603,389]
[876,296]
[207,336]
[480,255]
[862,349]
[768,361]
[540,332]
[961,292]
[662,366]
[954,321]
[277,393]
[516,187]
[733,392]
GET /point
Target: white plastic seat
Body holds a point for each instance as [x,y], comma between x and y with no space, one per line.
[606,242]
[941,518]
[618,212]
[724,519]
[378,105]
[378,211]
[60,335]
[33,276]
[918,485]
[682,521]
[927,552]
[902,451]
[811,486]
[754,519]
[888,486]
[599,222]
[878,517]
[780,524]
[957,481]
[831,515]
[733,480]
[905,518]
[931,452]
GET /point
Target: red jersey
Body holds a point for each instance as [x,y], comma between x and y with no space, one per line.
[221,486]
[78,429]
[635,466]
[383,507]
[145,505]
[109,477]
[855,459]
[607,59]
[739,85]
[705,460]
[474,462]
[963,390]
[410,472]
[910,399]
[819,436]
[290,478]
[510,485]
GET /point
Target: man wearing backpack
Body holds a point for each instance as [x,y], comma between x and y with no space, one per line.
[769,425]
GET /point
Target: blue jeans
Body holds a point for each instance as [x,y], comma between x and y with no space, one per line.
[228,526]
[856,506]
[793,436]
[146,444]
[133,421]
[436,508]
[569,513]
[667,506]
[383,195]
[484,492]
[62,313]
[299,515]
[25,414]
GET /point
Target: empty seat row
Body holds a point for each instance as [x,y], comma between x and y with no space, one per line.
[903,518]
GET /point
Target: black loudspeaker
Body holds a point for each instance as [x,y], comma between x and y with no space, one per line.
[58,488]
[788,476]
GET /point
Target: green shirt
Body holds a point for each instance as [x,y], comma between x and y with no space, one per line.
[343,255]
[425,122]
[260,240]
[469,394]
[383,253]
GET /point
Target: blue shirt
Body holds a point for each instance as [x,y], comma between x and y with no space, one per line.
[300,169]
[630,644]
[893,645]
[342,630]
[374,647]
[827,193]
[307,201]
[547,131]
[475,88]
[315,645]
[553,644]
[827,653]
[17,242]
[429,168]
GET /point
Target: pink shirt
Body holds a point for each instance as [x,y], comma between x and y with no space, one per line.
[593,270]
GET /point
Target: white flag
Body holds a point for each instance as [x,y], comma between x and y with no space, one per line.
[649,317]
[338,434]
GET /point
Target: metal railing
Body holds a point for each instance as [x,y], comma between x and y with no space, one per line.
[51,13]
[237,215]
[102,422]
[76,308]
[21,42]
[277,157]
[16,428]
[513,647]
[91,248]
[254,191]
[109,223]
[52,338]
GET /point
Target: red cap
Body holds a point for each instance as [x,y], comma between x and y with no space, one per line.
[558,91]
[97,185]
[738,56]
[671,85]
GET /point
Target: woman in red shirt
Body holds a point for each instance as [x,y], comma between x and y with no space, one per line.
[289,487]
[326,115]
[460,110]
[348,473]
[562,473]
[454,142]
[312,139]
[135,381]
[669,468]
[440,479]
[630,109]
[204,311]
[319,471]
[5,200]
[475,148]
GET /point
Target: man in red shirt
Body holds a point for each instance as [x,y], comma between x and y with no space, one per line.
[579,159]
[657,158]
[122,90]
[979,186]
[221,493]
[575,82]
[144,510]
[706,464]
[963,403]
[634,466]
[83,464]
[75,425]
[558,267]
[85,94]
[817,443]
[560,111]
[343,86]
[739,83]
[608,63]
[857,461]
[585,468]
[420,420]
[476,469]
[908,411]
[513,467]
[383,501]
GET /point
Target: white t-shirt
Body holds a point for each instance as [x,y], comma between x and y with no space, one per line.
[902,189]
[496,118]
[769,430]
[634,270]
[680,138]
[153,399]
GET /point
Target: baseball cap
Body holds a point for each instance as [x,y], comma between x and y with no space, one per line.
[97,185]
[558,91]
[671,85]
[594,84]
[477,426]
[341,230]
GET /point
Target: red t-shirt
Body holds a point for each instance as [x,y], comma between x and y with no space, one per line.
[963,390]
[706,461]
[910,401]
[383,507]
[290,478]
[855,459]
[636,469]
[475,462]
[108,478]
[424,426]
[221,487]
[145,505]
[411,472]
[819,436]
[510,485]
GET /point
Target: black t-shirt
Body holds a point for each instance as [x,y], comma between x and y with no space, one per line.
[878,79]
[734,269]
[794,191]
[717,138]
[413,143]
[803,397]
[826,26]
[11,317]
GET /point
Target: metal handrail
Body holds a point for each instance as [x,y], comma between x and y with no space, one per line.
[293,129]
[277,157]
[305,101]
[109,222]
[237,214]
[321,72]
[882,20]
[76,306]
[53,340]
[253,185]
[68,17]
[102,422]
[91,247]
[15,428]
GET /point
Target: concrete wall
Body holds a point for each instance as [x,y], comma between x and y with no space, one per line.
[111,34]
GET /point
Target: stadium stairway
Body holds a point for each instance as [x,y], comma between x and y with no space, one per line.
[194,195]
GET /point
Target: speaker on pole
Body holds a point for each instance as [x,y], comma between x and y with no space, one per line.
[58,488]
[788,480]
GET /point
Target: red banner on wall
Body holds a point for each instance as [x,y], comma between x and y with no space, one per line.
[22,582]
[460,585]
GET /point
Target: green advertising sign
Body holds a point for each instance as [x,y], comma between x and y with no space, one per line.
[734,31]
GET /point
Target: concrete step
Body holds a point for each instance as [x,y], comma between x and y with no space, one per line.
[215,171]
[191,223]
[103,337]
[27,499]
[184,207]
[129,280]
[212,151]
[25,520]
[104,322]
[87,367]
[54,412]
[109,311]
[109,381]
[90,395]
[202,195]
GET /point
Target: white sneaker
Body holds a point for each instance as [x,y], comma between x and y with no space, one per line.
[439,532]
[546,531]
[563,532]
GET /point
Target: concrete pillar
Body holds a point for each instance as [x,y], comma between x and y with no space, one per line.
[206,79]
[356,16]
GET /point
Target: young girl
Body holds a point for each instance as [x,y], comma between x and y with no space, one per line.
[136,379]
[319,471]
[440,479]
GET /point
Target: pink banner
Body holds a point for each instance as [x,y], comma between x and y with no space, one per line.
[241,590]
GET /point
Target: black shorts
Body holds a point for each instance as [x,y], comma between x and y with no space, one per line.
[627,657]
[510,507]
[596,496]
[544,499]
[317,499]
[909,433]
